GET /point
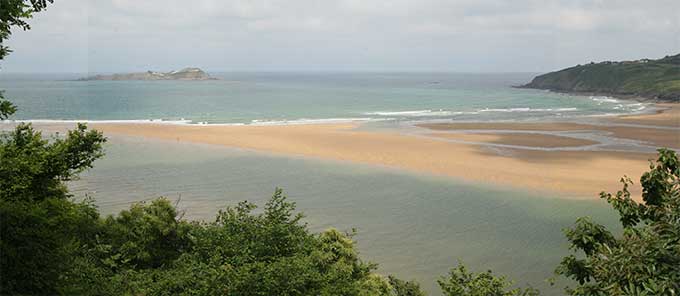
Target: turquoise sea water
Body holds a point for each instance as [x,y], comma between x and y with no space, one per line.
[414,226]
[272,98]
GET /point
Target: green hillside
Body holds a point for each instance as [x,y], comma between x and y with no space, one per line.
[650,79]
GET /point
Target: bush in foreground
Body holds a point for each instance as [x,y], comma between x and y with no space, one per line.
[148,251]
[645,260]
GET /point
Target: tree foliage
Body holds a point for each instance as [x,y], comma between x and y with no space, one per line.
[39,226]
[37,243]
[6,107]
[653,79]
[405,288]
[461,282]
[149,251]
[34,168]
[645,259]
[13,13]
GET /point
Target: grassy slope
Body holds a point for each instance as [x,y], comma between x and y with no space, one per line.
[655,79]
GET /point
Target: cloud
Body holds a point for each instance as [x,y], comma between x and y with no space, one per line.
[442,35]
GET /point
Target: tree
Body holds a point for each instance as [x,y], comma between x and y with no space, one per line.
[645,259]
[38,241]
[34,168]
[405,288]
[146,236]
[14,13]
[150,251]
[40,228]
[461,282]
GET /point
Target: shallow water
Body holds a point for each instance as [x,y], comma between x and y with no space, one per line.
[414,226]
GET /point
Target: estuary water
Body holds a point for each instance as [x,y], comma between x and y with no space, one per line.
[414,226]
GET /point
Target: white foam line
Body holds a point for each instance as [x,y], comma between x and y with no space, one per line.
[420,113]
[604,99]
[256,122]
[414,113]
[529,110]
[441,112]
[636,108]
[310,121]
[140,121]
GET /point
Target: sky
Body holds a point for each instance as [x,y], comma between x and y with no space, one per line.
[103,36]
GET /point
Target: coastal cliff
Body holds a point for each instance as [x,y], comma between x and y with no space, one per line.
[657,80]
[184,74]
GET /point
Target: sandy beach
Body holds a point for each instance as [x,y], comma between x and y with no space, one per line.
[572,174]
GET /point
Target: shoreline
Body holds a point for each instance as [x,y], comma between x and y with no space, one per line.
[656,107]
[558,159]
[579,174]
[632,97]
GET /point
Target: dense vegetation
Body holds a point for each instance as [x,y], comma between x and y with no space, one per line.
[651,79]
[51,244]
[645,260]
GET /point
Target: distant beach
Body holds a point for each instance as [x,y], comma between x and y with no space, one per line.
[569,172]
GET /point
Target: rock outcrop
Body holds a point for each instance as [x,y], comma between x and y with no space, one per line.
[184,74]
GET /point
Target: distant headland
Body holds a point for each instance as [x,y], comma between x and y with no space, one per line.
[184,74]
[656,80]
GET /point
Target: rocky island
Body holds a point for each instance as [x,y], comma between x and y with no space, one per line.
[184,74]
[646,79]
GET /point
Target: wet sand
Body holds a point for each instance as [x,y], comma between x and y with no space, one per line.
[571,174]
[668,115]
[517,139]
[657,130]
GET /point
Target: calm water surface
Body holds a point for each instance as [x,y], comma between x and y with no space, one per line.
[414,226]
[275,98]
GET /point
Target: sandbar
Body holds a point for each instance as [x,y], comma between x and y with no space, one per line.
[518,139]
[567,174]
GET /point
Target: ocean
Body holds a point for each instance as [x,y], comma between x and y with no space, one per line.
[415,226]
[289,98]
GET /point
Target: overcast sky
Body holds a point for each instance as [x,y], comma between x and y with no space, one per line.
[342,35]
